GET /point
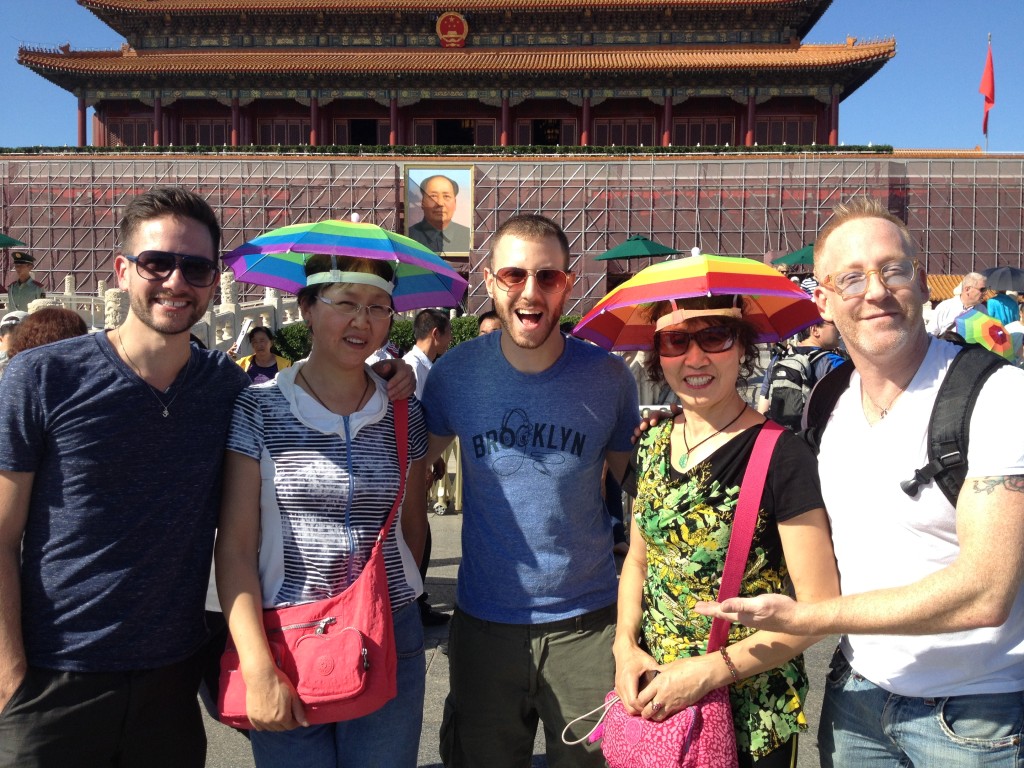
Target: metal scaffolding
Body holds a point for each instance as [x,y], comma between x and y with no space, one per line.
[965,213]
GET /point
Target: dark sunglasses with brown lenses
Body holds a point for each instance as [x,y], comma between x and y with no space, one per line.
[715,338]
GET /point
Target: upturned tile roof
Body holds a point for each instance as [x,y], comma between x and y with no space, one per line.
[465,60]
[940,287]
[275,6]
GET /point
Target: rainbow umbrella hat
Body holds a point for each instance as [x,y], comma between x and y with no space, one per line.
[975,327]
[777,307]
[276,259]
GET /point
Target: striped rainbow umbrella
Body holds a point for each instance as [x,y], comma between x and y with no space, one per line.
[776,306]
[276,259]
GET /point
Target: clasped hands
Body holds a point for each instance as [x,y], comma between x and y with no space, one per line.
[658,691]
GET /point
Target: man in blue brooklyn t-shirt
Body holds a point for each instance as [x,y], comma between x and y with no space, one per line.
[537,414]
[110,461]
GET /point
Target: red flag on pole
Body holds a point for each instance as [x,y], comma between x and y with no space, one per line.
[988,88]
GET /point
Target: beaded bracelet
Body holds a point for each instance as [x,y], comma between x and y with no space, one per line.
[730,665]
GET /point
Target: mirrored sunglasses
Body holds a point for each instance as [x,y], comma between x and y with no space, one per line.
[548,280]
[675,343]
[158,265]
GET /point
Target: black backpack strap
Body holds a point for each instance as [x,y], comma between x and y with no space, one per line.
[950,423]
[821,401]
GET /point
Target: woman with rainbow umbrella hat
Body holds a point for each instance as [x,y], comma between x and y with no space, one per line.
[701,317]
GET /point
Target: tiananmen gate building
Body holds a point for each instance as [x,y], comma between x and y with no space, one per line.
[461,72]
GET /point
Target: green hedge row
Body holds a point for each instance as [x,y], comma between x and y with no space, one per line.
[293,341]
[435,150]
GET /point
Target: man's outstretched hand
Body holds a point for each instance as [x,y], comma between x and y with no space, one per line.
[775,613]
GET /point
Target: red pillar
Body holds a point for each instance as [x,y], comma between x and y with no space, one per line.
[751,121]
[393,133]
[833,133]
[314,121]
[173,136]
[235,121]
[506,121]
[158,119]
[666,121]
[81,121]
[585,129]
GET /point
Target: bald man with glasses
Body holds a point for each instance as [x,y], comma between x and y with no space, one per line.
[930,668]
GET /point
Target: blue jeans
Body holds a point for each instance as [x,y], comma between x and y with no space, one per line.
[864,725]
[389,737]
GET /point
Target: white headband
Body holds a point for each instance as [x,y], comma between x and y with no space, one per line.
[361,278]
[682,315]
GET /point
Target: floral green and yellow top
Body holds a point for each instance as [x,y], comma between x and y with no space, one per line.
[686,520]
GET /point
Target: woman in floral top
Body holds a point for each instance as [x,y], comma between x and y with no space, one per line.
[685,476]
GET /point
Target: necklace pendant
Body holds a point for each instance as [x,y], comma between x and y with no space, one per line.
[883,413]
[165,412]
[682,461]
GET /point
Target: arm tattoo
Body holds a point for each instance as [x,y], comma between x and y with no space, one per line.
[1009,482]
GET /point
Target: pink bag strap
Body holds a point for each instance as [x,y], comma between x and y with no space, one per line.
[743,524]
[400,413]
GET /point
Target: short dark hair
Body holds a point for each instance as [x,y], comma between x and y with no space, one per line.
[423,184]
[805,334]
[490,314]
[427,320]
[168,201]
[261,329]
[746,332]
[323,263]
[531,226]
[44,326]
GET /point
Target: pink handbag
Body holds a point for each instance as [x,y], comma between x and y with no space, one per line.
[339,653]
[702,735]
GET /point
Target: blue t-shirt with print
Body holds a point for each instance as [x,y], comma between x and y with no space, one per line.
[119,535]
[536,539]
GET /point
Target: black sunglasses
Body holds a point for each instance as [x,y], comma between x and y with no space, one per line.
[158,265]
[716,338]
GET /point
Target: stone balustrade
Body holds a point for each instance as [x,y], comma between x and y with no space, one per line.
[218,329]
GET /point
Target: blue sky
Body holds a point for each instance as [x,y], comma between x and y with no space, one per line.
[927,97]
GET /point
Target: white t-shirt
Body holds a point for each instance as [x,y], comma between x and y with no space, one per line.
[883,538]
[421,365]
[946,312]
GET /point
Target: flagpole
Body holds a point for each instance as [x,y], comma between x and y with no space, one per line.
[986,124]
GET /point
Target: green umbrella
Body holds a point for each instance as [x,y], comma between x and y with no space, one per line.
[803,256]
[7,242]
[636,247]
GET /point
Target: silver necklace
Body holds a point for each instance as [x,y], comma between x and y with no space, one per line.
[883,412]
[164,407]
